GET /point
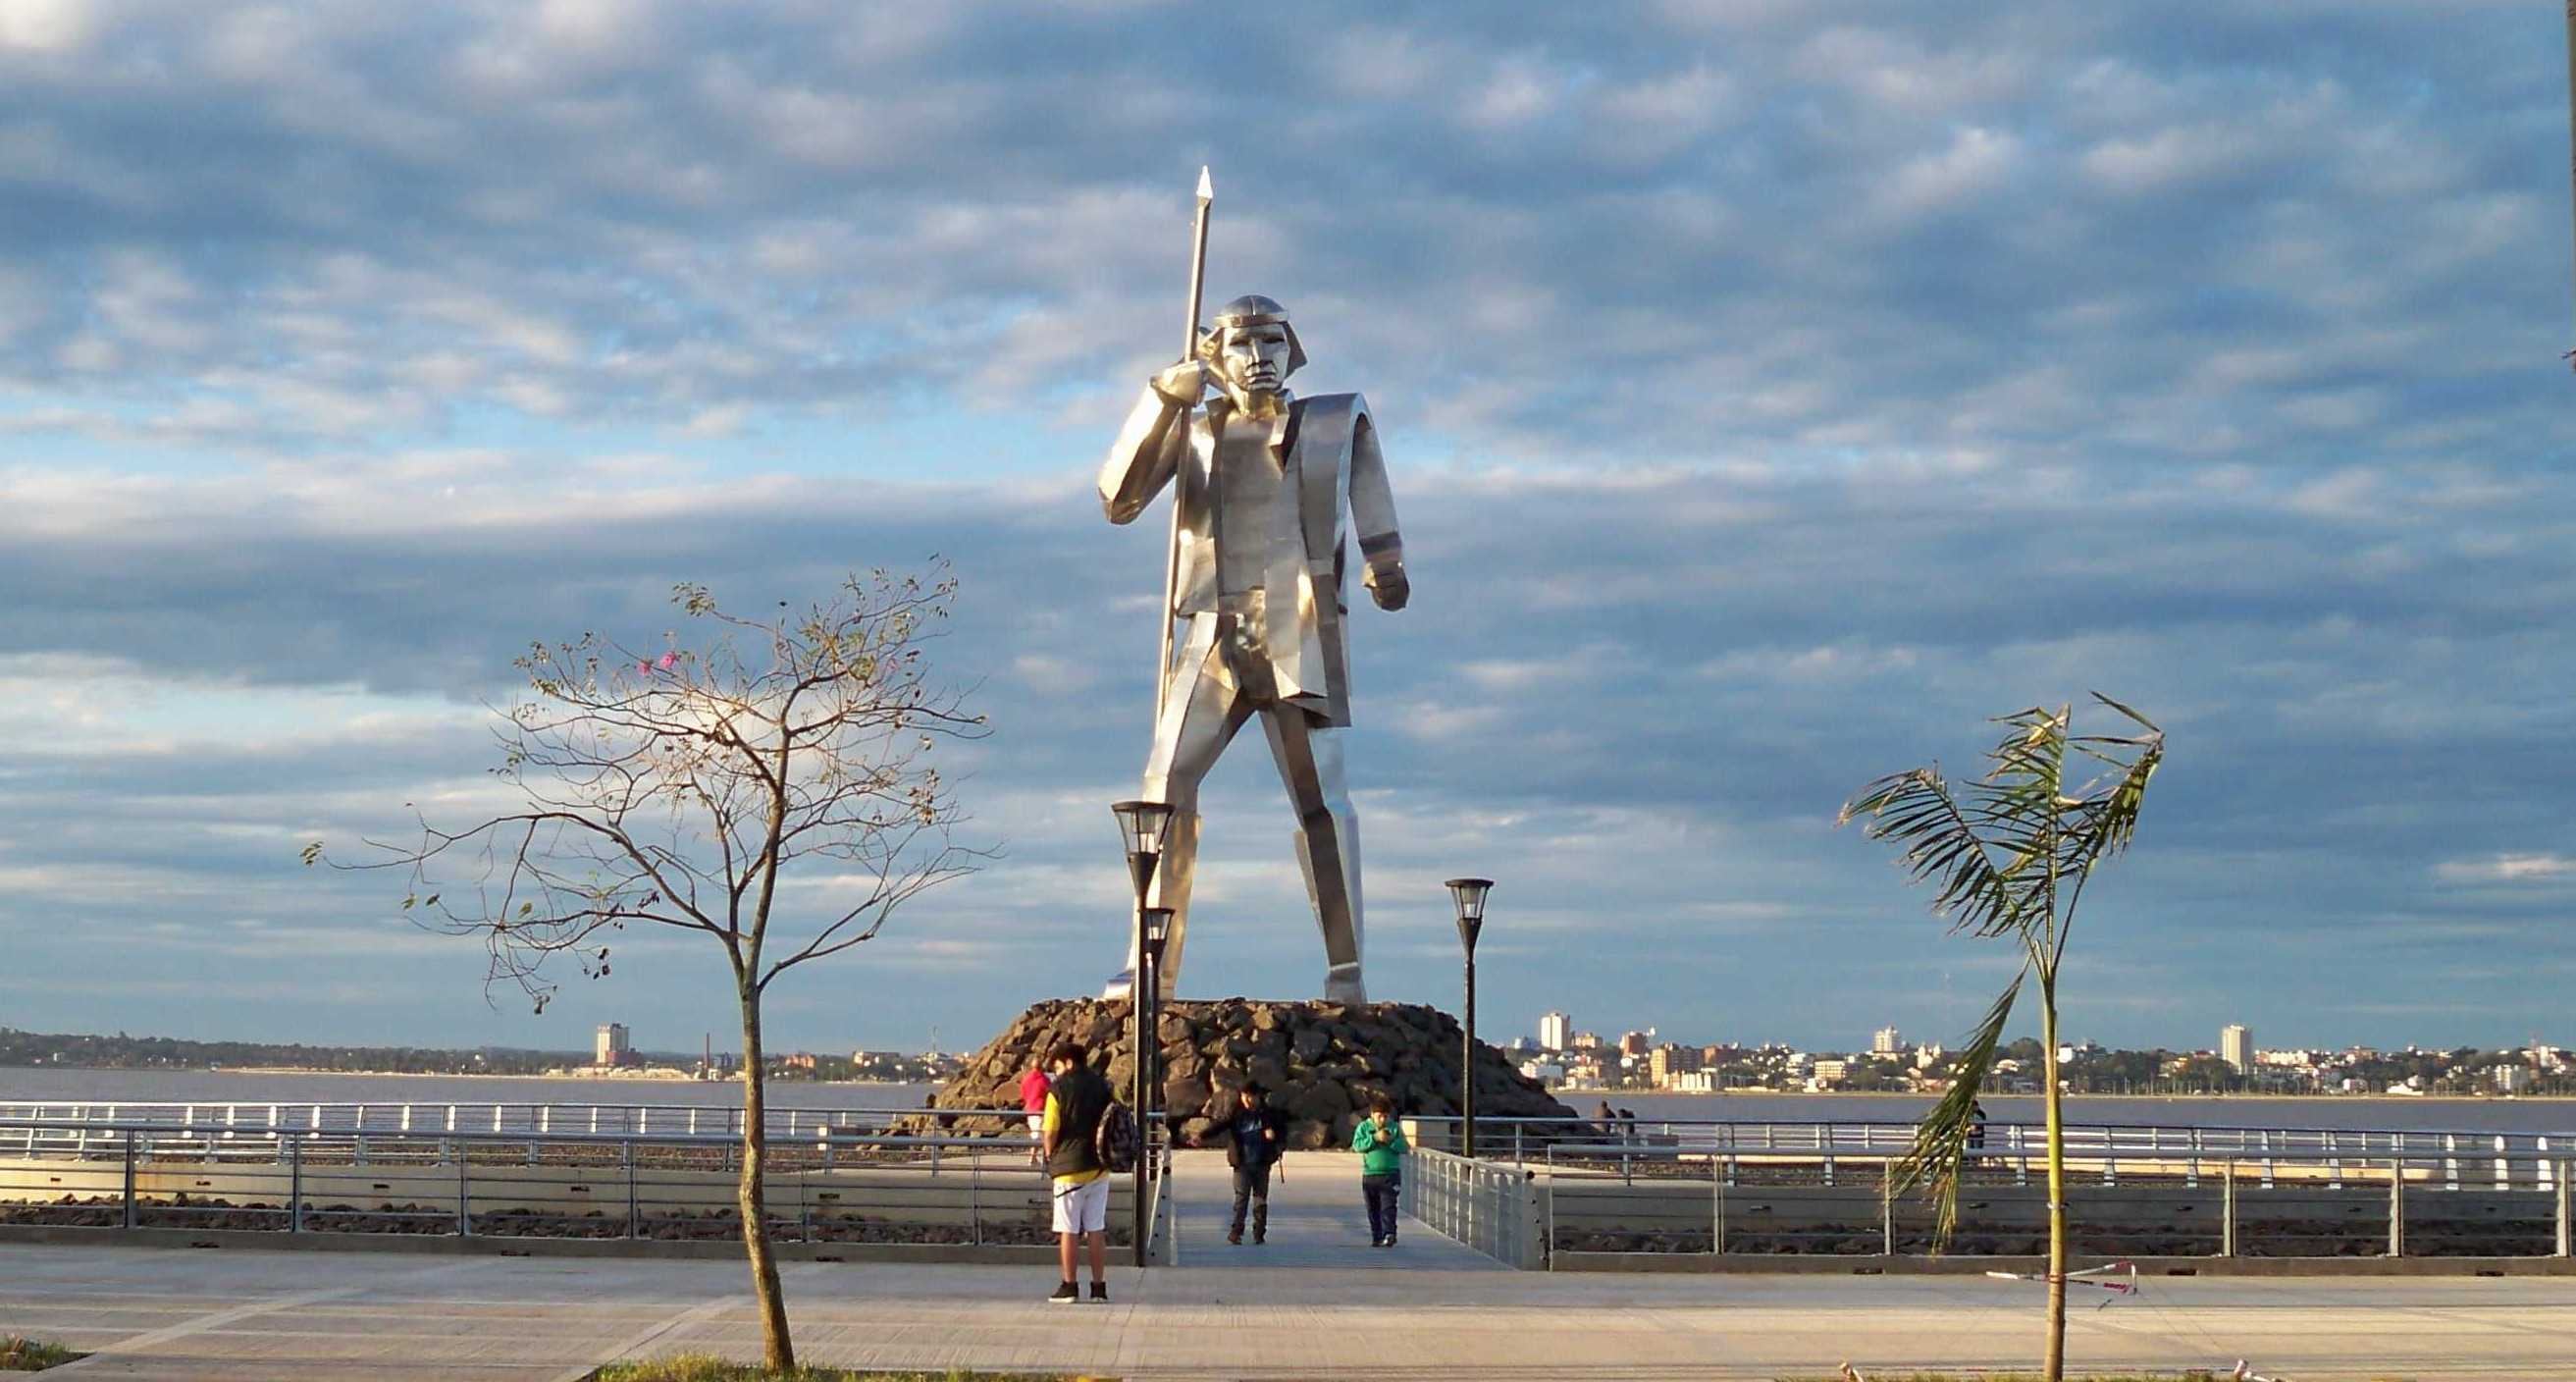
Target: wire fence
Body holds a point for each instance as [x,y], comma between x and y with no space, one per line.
[839,1185]
[1623,1197]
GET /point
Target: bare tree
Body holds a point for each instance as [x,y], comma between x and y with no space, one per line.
[676,788]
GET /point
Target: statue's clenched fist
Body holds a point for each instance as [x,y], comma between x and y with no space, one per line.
[1387,584]
[1185,383]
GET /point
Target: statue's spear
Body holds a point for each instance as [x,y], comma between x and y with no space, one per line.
[1189,351]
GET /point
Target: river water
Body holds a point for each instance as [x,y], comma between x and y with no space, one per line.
[2553,1116]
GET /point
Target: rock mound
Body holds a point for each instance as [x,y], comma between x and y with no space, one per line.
[1319,1061]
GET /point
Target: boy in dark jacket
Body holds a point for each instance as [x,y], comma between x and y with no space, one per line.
[1379,1140]
[1254,1138]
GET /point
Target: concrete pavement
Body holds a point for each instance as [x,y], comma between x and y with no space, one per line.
[1315,1302]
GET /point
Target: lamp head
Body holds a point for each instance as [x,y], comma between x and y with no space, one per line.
[1141,825]
[1158,933]
[1469,894]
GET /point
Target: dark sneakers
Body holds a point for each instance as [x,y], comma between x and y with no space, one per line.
[1065,1294]
[1100,1293]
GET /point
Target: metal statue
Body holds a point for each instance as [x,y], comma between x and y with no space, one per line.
[1263,481]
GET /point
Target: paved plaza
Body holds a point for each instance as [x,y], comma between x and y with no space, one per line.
[1315,1302]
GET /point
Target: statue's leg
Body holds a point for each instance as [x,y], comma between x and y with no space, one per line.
[1206,708]
[1309,755]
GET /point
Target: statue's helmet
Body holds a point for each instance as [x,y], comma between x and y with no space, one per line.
[1252,309]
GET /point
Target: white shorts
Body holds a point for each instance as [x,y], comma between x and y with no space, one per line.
[1037,1126]
[1082,1208]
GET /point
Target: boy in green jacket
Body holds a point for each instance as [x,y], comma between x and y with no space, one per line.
[1380,1143]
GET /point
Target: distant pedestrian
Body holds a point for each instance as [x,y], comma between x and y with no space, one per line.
[1076,1099]
[1254,1139]
[1380,1142]
[1033,1096]
[1976,1126]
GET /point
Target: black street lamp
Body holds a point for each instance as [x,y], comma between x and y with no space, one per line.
[1469,894]
[1154,932]
[1140,827]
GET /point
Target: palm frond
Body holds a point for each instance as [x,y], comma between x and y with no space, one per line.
[1950,845]
[1939,1152]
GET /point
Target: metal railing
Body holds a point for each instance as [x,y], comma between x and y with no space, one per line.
[1488,1207]
[55,1119]
[819,1187]
[1619,1196]
[2464,1158]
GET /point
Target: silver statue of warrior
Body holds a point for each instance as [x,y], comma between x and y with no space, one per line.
[1264,481]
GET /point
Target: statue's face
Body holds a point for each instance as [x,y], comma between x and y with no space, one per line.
[1254,361]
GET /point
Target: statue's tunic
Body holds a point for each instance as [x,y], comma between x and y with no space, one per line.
[1262,523]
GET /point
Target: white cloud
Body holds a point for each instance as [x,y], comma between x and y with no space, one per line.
[2507,868]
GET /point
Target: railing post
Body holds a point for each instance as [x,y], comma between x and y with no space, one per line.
[295,1184]
[2450,1161]
[2227,1212]
[129,1178]
[1716,1220]
[975,1197]
[2503,1165]
[2397,1209]
[1886,1213]
[464,1193]
[2566,1220]
[634,1215]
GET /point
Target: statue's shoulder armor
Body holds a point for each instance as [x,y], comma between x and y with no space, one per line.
[1331,407]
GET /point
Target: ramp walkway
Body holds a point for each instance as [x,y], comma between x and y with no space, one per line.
[1317,1219]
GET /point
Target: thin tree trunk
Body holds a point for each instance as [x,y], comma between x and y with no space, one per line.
[2053,1367]
[777,1350]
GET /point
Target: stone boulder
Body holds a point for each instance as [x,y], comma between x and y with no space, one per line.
[1320,1062]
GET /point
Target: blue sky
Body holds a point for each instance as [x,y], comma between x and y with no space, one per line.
[1771,392]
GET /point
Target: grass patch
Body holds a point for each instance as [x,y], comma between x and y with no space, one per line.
[706,1367]
[29,1355]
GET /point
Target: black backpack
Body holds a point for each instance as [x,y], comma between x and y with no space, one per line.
[1115,1142]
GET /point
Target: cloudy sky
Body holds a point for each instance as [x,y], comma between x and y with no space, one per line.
[1772,392]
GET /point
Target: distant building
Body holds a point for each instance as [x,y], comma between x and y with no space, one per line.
[2236,1046]
[1669,1061]
[1555,1031]
[1886,1041]
[1583,1041]
[1828,1072]
[1928,1055]
[612,1047]
[1637,1043]
[2513,1079]
[1544,1071]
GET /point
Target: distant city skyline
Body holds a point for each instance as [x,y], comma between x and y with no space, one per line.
[1770,396]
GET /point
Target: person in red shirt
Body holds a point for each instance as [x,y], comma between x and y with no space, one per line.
[1033,1097]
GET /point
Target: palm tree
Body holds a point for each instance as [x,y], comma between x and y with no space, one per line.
[2009,855]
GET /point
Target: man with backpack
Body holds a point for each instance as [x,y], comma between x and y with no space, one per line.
[1078,1101]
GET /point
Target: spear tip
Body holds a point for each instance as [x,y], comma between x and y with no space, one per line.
[1207,189]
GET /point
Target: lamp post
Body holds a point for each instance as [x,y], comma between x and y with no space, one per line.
[1140,827]
[1155,932]
[1469,894]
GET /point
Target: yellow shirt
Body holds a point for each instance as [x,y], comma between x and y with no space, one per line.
[1054,1117]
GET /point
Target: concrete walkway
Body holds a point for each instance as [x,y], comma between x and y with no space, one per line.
[1315,1302]
[1317,1219]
